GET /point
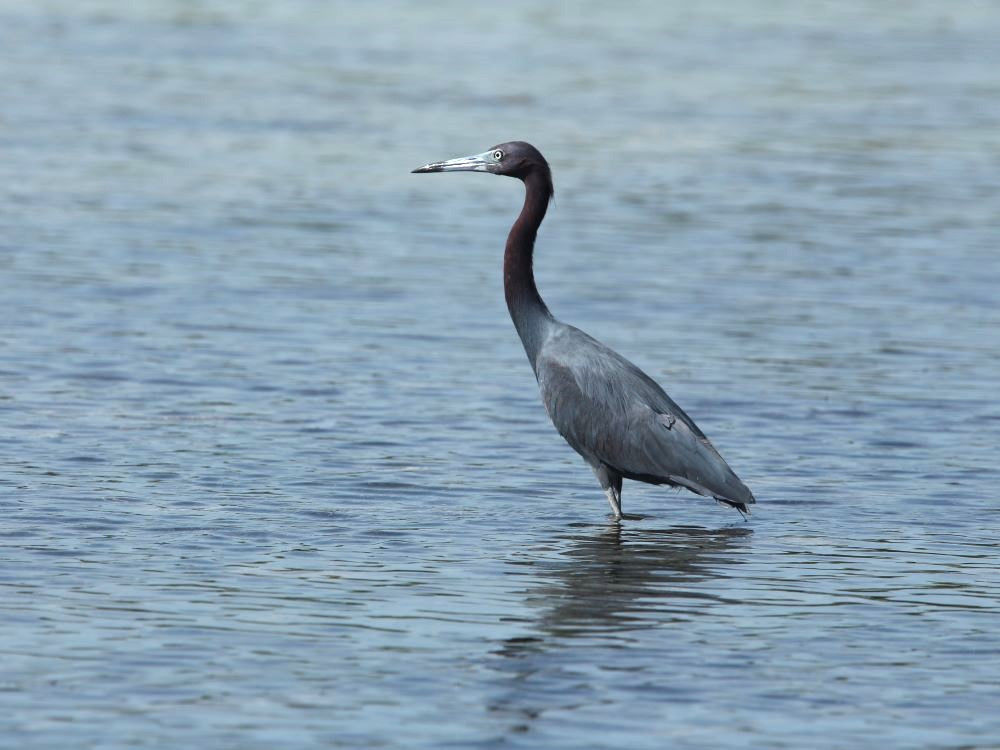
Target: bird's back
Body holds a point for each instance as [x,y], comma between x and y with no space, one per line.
[612,413]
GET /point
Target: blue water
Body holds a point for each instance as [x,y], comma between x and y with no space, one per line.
[275,470]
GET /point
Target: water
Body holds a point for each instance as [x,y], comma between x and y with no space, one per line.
[275,470]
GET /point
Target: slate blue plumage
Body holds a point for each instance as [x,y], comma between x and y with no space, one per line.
[613,414]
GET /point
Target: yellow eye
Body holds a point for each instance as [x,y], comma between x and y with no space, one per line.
[497,155]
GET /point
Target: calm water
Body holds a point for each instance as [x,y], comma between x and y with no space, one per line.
[275,470]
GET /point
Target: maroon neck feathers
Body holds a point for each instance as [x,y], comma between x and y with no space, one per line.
[527,310]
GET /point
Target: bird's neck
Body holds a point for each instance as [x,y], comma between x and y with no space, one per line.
[530,315]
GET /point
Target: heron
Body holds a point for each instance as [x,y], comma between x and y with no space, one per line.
[616,417]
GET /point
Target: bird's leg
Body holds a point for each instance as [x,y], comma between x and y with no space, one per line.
[615,500]
[611,483]
[616,485]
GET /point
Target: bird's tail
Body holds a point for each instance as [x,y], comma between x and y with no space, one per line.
[743,508]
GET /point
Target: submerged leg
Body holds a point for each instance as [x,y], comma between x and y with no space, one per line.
[611,483]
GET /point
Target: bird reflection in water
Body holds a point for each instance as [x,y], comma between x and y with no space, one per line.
[593,600]
[625,578]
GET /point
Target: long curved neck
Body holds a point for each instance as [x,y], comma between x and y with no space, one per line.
[530,315]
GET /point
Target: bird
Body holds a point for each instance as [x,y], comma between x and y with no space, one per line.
[616,417]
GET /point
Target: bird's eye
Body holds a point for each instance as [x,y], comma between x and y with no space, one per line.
[497,155]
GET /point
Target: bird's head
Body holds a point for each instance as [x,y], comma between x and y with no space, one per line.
[514,159]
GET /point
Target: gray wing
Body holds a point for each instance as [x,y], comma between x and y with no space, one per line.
[612,413]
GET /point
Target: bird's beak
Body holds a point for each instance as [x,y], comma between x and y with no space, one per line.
[477,163]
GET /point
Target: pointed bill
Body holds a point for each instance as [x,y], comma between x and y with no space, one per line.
[477,163]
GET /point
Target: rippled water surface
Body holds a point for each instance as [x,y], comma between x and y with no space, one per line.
[275,471]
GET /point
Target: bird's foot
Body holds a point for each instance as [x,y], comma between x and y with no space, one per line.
[625,517]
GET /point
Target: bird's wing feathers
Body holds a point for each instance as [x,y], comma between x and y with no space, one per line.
[611,412]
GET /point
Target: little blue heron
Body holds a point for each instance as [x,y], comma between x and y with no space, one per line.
[614,415]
